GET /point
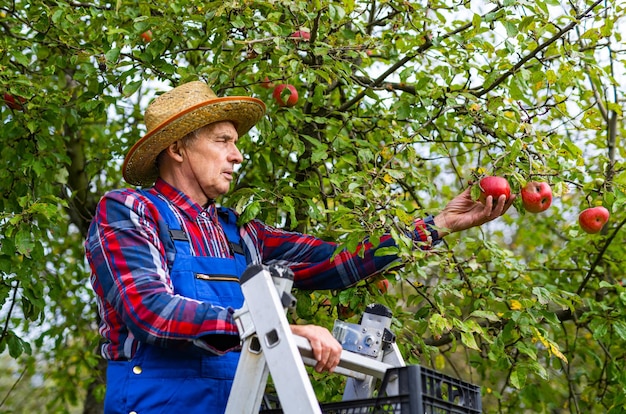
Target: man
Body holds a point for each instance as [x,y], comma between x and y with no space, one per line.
[165,260]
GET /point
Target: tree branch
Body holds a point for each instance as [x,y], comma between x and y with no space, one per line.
[538,49]
[17,381]
[5,329]
[379,80]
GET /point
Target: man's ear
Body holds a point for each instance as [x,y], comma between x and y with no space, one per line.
[175,151]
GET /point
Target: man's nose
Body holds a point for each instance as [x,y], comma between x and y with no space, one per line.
[235,155]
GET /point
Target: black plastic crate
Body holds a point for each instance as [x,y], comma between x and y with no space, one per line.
[420,391]
[432,392]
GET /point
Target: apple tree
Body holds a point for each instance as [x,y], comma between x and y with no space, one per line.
[396,107]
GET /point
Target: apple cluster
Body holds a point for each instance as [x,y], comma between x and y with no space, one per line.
[537,197]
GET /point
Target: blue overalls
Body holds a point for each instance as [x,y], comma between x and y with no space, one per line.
[160,380]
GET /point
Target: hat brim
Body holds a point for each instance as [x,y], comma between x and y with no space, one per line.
[140,166]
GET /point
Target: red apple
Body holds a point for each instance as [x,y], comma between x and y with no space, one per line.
[493,186]
[383,286]
[345,312]
[266,83]
[16,103]
[300,35]
[536,196]
[147,36]
[291,95]
[593,219]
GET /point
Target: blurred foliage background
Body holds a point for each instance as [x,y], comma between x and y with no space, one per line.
[401,105]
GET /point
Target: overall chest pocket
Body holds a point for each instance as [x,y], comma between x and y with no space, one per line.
[209,279]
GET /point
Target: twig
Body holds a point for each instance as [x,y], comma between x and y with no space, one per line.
[6,397]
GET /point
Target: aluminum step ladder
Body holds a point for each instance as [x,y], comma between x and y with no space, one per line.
[270,348]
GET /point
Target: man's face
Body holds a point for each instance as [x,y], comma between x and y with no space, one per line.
[211,158]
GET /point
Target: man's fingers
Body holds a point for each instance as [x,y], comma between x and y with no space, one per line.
[500,207]
[323,355]
[322,360]
[328,356]
[326,349]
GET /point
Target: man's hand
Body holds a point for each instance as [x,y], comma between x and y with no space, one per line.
[462,212]
[326,349]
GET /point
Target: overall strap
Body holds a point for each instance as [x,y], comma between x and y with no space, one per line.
[228,220]
[178,237]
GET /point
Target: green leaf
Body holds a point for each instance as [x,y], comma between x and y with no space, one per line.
[17,346]
[319,154]
[131,87]
[386,251]
[438,324]
[599,328]
[56,16]
[22,59]
[518,377]
[543,296]
[113,54]
[304,306]
[476,20]
[468,340]
[250,212]
[620,329]
[24,241]
[511,29]
[336,12]
[489,315]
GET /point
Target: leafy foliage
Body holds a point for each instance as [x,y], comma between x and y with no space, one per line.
[402,105]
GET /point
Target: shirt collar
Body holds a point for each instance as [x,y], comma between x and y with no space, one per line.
[180,200]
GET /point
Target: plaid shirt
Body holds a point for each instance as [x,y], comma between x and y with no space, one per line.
[131,279]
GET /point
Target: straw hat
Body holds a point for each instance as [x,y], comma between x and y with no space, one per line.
[178,112]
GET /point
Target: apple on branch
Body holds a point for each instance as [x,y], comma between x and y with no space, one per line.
[298,35]
[536,196]
[147,36]
[266,83]
[592,220]
[493,186]
[285,95]
[345,312]
[15,103]
[378,285]
[383,286]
